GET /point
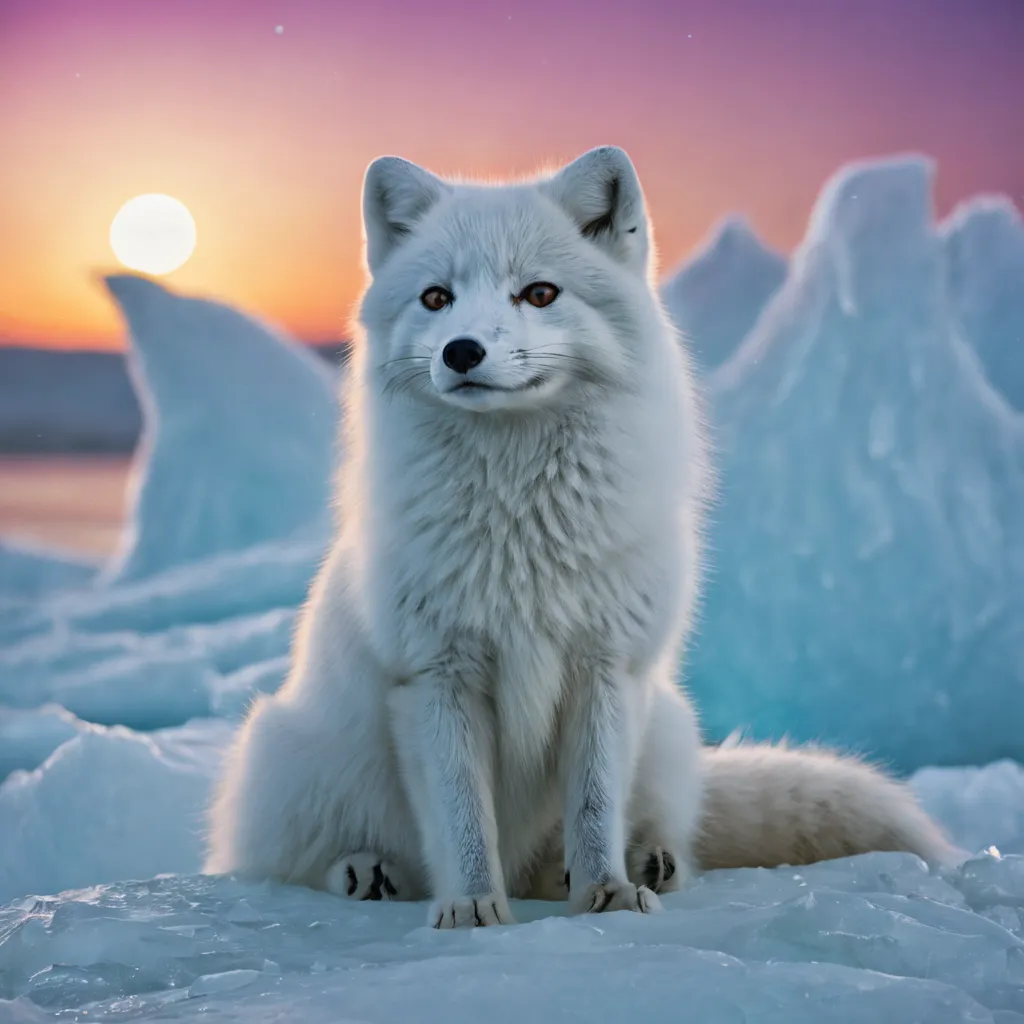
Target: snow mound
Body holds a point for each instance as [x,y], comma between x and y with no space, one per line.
[108,804]
[984,243]
[239,427]
[868,541]
[868,939]
[716,297]
[28,572]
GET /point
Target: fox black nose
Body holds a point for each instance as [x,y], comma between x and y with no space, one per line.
[462,354]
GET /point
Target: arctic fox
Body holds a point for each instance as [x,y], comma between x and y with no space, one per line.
[483,698]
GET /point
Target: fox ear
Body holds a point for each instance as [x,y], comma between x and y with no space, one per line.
[601,192]
[396,194]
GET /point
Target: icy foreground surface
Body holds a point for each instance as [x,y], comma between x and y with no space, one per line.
[875,938]
[866,939]
[869,539]
[716,297]
[239,422]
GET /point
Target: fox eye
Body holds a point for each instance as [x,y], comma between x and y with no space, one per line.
[540,294]
[437,298]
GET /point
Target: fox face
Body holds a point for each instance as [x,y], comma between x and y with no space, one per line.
[499,298]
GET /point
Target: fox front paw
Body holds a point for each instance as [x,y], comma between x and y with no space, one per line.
[470,912]
[612,895]
[366,876]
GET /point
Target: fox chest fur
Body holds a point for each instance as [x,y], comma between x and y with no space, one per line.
[524,537]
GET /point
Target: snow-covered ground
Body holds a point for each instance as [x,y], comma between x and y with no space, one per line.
[868,587]
[874,939]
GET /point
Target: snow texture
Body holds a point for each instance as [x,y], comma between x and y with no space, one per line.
[875,938]
[984,243]
[868,543]
[238,439]
[114,804]
[716,297]
[867,552]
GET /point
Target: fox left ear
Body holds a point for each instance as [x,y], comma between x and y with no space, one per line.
[397,194]
[601,192]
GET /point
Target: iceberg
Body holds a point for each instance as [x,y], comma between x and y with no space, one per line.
[716,296]
[238,443]
[984,246]
[868,540]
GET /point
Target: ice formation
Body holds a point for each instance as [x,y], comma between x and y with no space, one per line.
[716,297]
[28,571]
[868,543]
[108,804]
[984,243]
[238,441]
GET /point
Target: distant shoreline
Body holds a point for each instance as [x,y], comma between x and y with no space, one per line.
[75,402]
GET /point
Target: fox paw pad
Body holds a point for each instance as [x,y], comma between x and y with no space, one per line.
[365,876]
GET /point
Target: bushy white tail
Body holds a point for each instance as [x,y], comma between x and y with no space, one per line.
[769,805]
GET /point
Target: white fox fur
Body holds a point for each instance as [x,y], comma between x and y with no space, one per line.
[483,697]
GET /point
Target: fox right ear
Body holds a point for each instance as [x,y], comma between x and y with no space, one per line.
[396,194]
[601,192]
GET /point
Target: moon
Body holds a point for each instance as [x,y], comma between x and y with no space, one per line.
[153,233]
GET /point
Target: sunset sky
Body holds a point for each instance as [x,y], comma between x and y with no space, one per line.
[724,105]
